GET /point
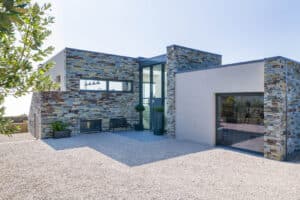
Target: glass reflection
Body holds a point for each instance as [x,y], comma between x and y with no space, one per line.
[157,81]
[240,121]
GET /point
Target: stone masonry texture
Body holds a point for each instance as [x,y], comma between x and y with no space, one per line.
[74,105]
[281,108]
[281,95]
[34,118]
[184,59]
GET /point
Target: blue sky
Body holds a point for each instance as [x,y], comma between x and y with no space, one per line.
[240,30]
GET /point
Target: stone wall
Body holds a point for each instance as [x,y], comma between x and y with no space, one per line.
[59,106]
[282,108]
[293,107]
[184,59]
[34,117]
[103,105]
[73,105]
[275,109]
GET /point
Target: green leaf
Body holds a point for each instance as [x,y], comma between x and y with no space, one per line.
[24,27]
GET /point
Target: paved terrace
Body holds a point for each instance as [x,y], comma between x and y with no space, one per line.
[131,165]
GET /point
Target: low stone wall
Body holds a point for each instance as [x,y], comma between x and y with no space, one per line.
[71,107]
[59,106]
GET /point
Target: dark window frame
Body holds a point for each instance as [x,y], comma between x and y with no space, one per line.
[216,114]
[131,86]
[107,85]
[163,95]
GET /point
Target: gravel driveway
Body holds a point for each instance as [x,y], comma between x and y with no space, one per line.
[138,166]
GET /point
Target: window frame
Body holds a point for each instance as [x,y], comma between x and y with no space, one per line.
[93,79]
[107,85]
[121,81]
[216,95]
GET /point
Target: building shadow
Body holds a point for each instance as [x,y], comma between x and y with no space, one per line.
[294,157]
[130,148]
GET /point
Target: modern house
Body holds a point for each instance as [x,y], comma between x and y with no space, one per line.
[252,105]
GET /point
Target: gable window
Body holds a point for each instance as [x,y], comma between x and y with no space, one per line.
[120,86]
[97,85]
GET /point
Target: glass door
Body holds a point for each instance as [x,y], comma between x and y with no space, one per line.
[157,100]
[153,96]
[146,96]
[240,121]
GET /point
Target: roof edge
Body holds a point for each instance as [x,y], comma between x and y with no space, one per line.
[282,57]
[52,56]
[227,65]
[175,45]
[108,54]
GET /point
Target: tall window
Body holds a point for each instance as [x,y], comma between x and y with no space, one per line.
[153,95]
[146,97]
[157,81]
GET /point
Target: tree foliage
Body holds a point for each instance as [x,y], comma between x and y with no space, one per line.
[24,27]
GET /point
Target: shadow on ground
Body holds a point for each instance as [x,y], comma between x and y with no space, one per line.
[130,148]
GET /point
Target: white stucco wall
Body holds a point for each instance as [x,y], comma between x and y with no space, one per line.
[196,97]
[59,69]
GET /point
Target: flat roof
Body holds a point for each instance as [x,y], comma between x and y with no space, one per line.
[153,60]
[96,52]
[193,49]
[226,65]
[241,63]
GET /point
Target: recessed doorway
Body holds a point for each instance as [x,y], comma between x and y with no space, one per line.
[153,95]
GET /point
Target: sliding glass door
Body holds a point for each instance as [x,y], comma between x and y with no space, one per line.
[240,121]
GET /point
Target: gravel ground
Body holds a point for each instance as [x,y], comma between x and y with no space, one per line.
[16,137]
[131,166]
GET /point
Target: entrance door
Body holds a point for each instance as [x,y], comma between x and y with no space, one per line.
[153,95]
[240,121]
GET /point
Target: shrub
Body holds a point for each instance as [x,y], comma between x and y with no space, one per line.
[58,126]
[139,108]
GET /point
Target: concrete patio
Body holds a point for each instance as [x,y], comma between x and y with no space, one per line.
[132,165]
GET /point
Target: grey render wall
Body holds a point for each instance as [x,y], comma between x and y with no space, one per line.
[282,108]
[72,105]
[184,59]
[59,69]
[196,97]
